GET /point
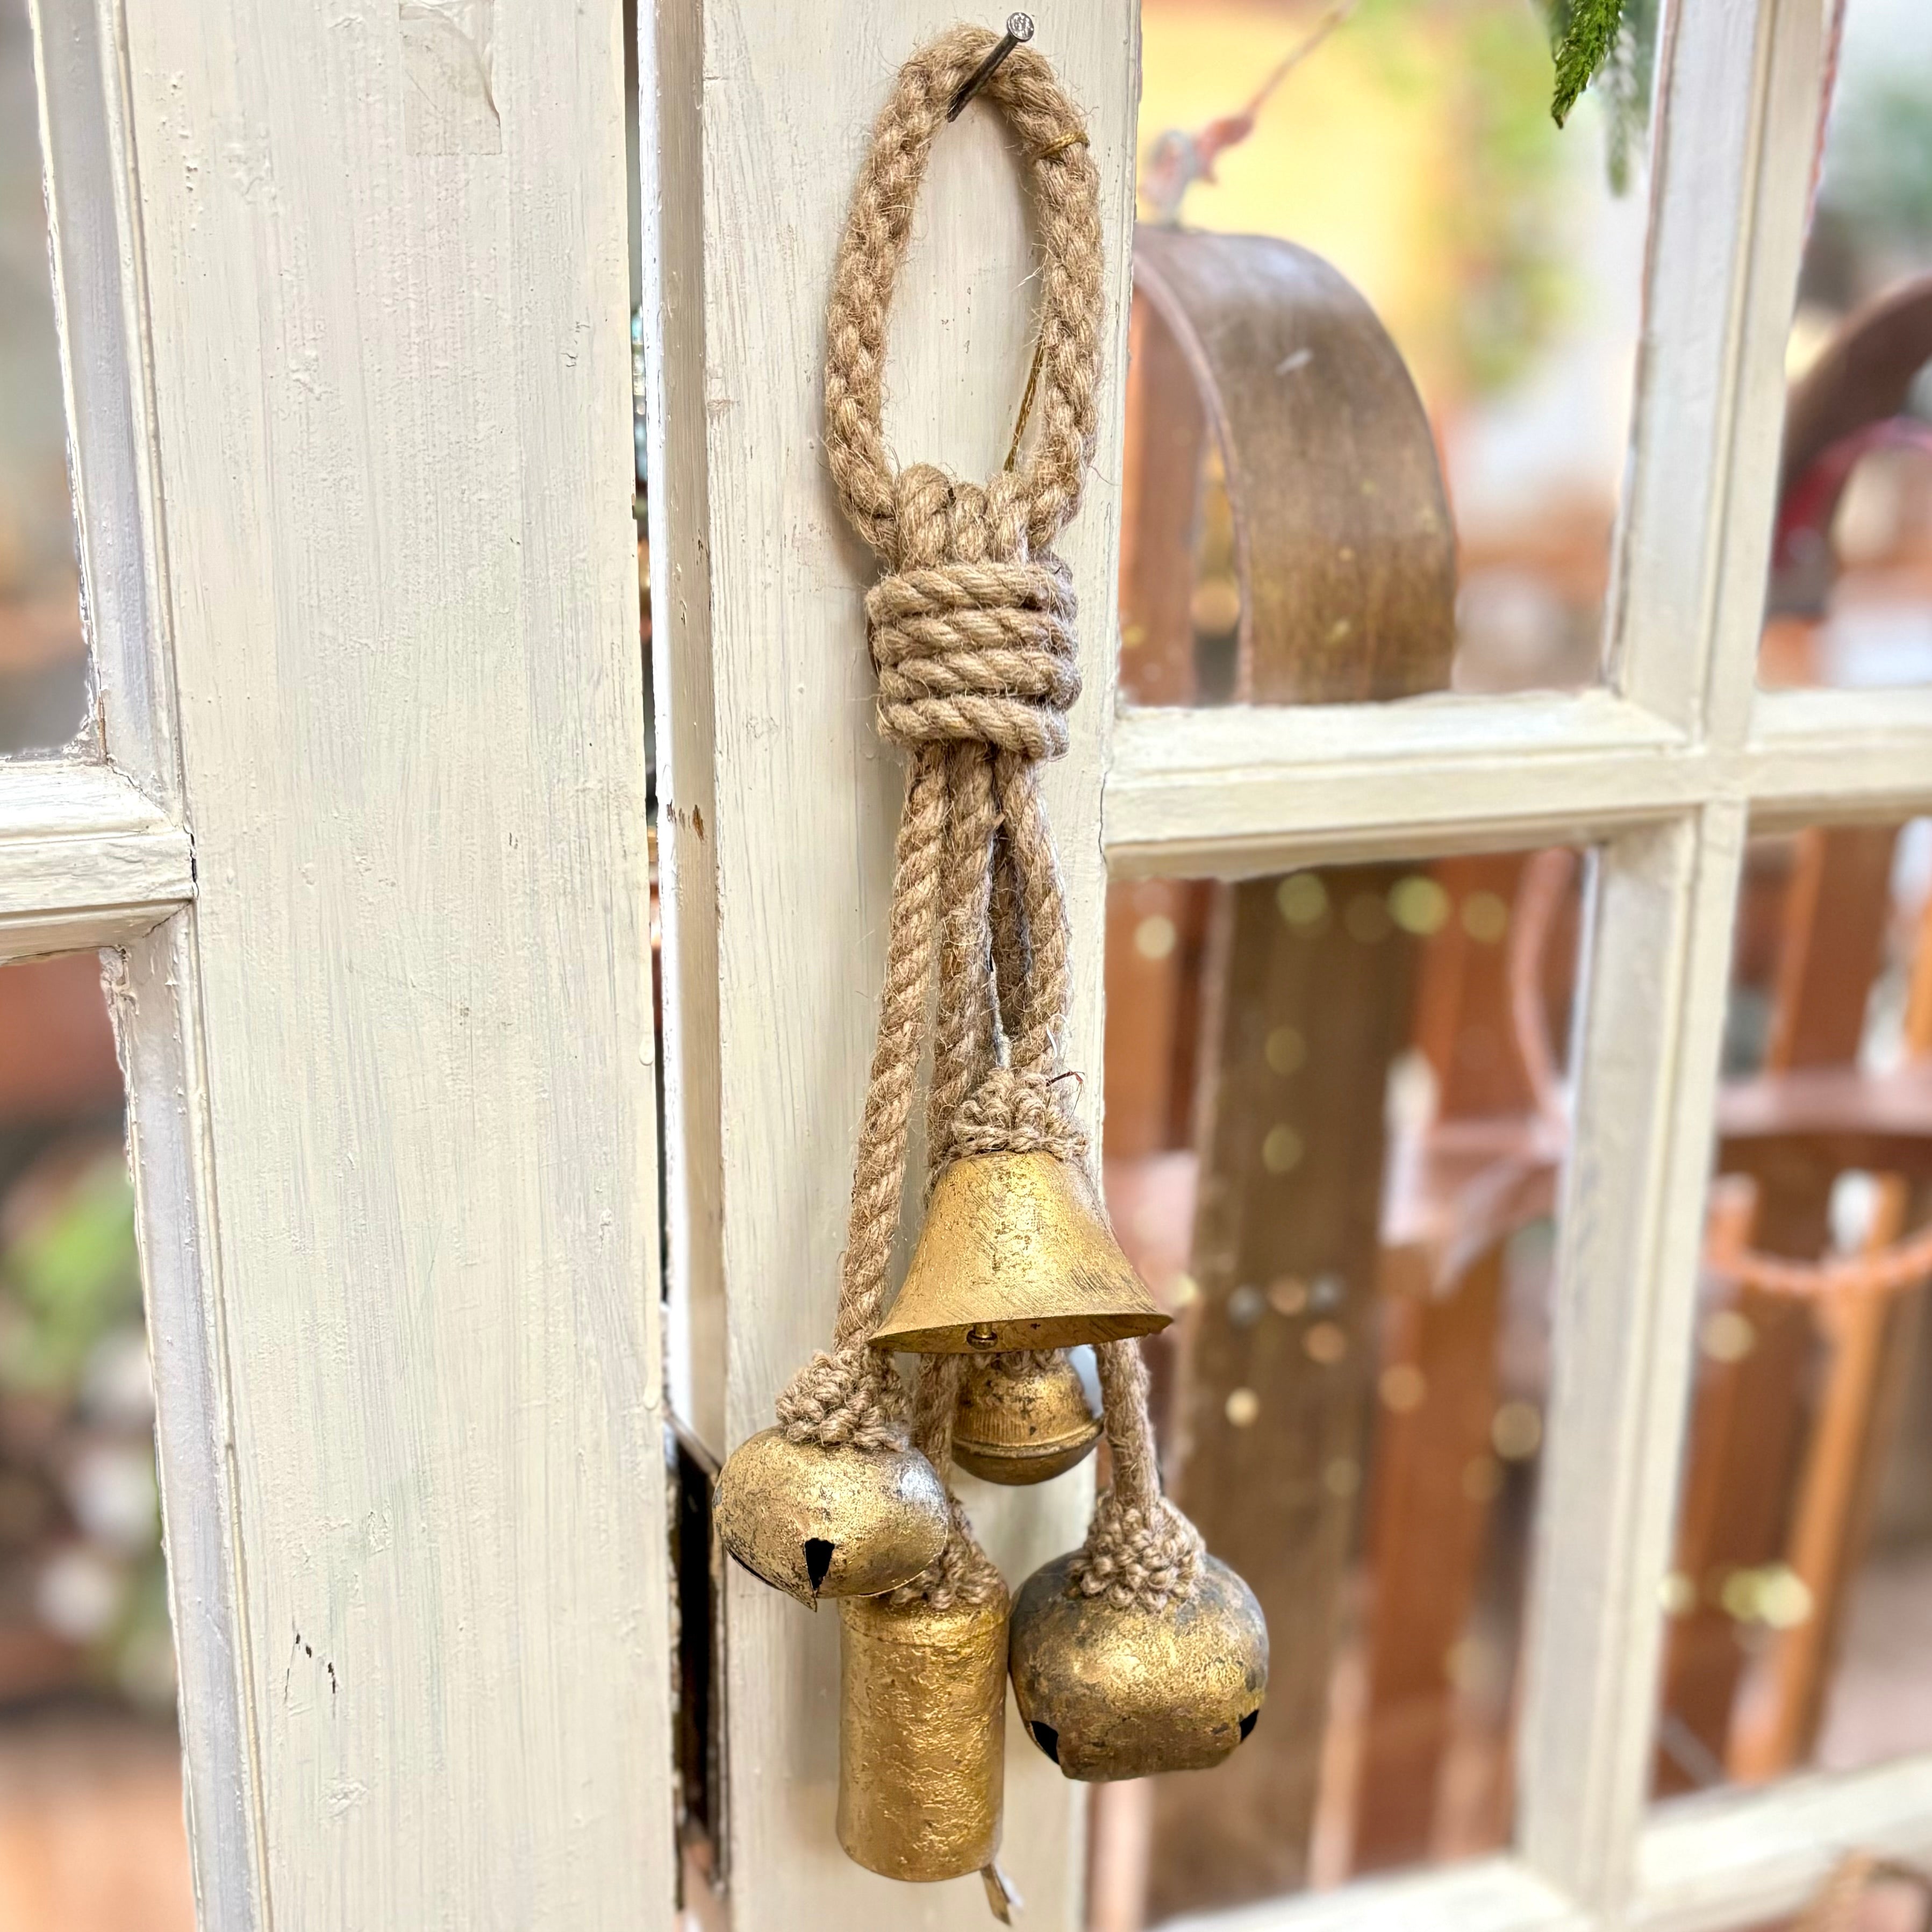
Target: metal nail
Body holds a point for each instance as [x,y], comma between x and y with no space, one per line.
[1019,27]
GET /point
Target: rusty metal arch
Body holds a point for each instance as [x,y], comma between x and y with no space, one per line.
[1345,549]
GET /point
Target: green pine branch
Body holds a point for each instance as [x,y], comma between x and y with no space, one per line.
[1590,28]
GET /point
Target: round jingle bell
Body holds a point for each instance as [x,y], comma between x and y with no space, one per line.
[1016,1253]
[1023,1418]
[1107,1693]
[843,1521]
[922,1735]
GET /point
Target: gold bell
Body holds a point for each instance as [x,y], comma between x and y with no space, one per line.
[1016,1253]
[922,1724]
[1108,1693]
[1023,1418]
[841,1522]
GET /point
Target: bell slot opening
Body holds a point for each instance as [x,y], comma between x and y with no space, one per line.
[817,1561]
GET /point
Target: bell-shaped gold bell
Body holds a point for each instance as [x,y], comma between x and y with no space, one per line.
[1015,1253]
[1022,1418]
[841,1522]
[1108,1693]
[922,1723]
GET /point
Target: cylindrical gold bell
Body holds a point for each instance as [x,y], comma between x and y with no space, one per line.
[1108,1693]
[1022,1418]
[1015,1252]
[842,1522]
[922,1719]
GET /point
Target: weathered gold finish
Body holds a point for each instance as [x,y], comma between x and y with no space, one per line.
[1016,1253]
[1109,1693]
[922,1723]
[829,1523]
[1022,1418]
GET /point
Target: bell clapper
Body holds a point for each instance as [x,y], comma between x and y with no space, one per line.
[1002,1900]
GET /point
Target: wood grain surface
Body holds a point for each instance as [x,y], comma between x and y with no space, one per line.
[392,1084]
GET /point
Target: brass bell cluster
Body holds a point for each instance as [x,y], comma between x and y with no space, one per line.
[1136,1653]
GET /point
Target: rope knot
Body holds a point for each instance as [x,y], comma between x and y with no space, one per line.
[978,650]
[961,1573]
[850,1397]
[1138,1558]
[1016,1113]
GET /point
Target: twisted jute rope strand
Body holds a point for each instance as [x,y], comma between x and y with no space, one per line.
[1141,1552]
[961,1573]
[1066,193]
[972,635]
[850,1396]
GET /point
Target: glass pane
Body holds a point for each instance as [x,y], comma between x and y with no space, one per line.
[1798,1606]
[1335,1110]
[91,1836]
[1851,589]
[1410,147]
[43,657]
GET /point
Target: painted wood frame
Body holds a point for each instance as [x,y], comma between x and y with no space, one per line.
[347,385]
[779,804]
[360,819]
[779,798]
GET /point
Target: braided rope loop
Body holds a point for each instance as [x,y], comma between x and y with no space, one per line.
[1045,486]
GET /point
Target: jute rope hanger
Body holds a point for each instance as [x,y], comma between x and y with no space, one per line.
[972,634]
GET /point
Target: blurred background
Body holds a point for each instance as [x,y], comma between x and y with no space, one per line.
[1410,146]
[1338,1100]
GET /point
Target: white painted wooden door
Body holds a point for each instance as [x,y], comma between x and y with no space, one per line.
[778,803]
[362,831]
[344,300]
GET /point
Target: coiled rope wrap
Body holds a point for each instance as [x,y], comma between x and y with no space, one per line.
[972,634]
[976,653]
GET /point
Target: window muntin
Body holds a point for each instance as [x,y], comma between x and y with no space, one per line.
[43,696]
